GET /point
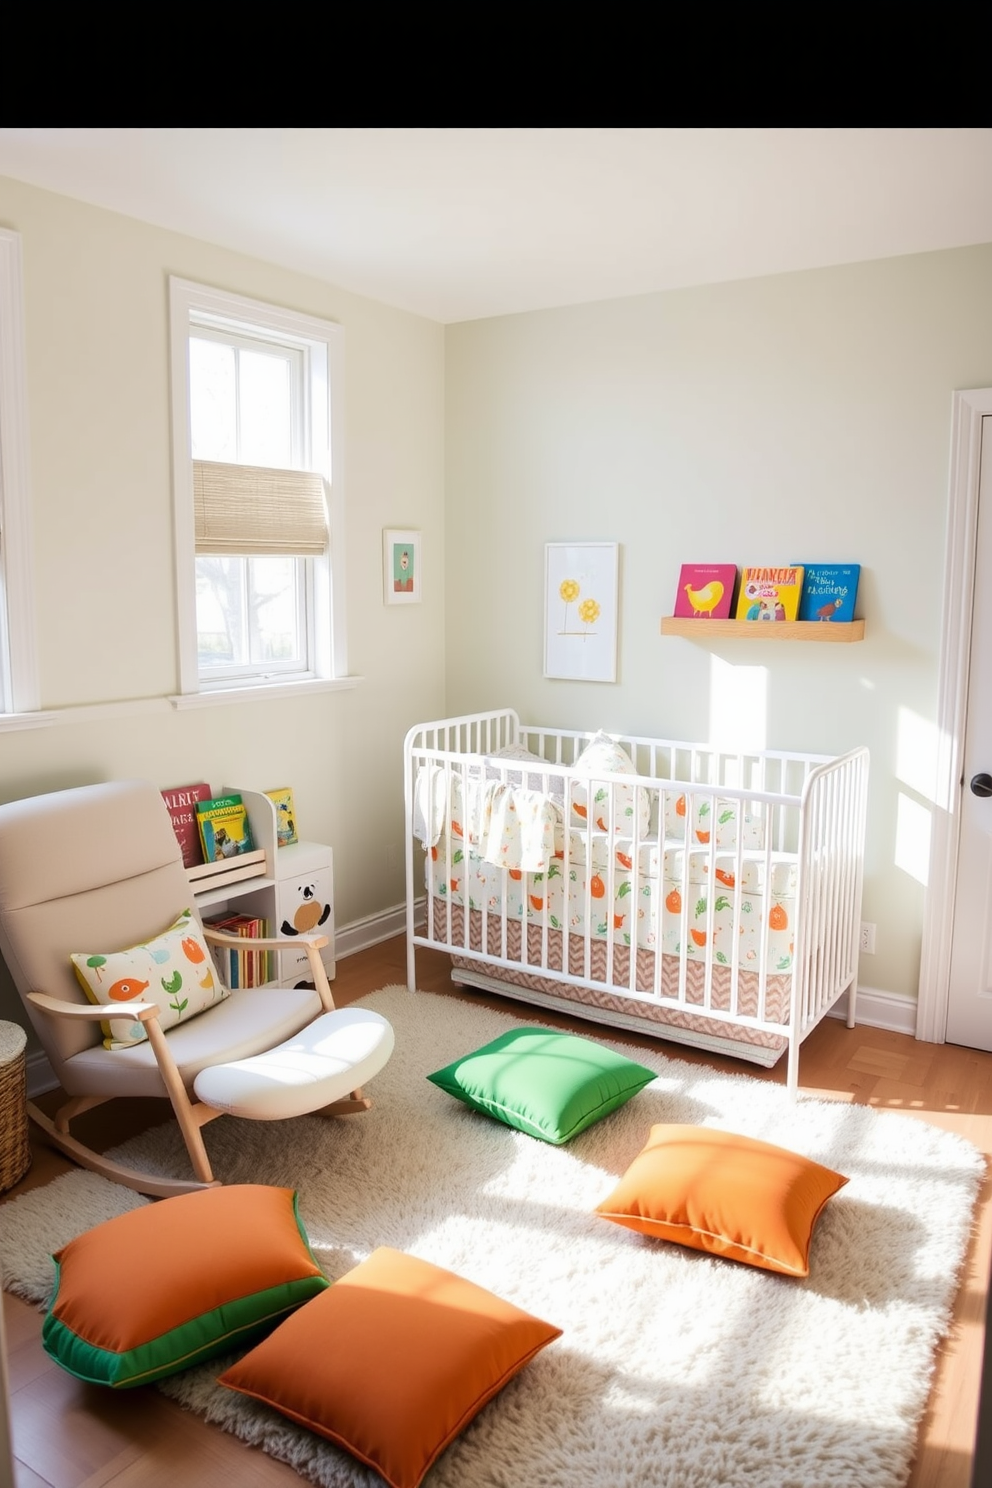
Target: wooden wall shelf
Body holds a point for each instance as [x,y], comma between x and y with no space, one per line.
[771,630]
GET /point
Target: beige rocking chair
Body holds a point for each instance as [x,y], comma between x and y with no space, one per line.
[99,867]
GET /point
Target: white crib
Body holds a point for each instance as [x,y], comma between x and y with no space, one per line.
[701,895]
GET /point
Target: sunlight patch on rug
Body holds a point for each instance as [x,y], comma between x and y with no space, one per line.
[674,1367]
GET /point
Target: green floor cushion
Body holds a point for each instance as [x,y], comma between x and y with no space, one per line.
[172,1283]
[551,1085]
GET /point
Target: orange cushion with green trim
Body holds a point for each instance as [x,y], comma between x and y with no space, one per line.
[727,1194]
[172,1283]
[392,1361]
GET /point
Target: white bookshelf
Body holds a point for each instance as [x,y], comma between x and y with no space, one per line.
[294,886]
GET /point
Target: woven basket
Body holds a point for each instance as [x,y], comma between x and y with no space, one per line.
[15,1150]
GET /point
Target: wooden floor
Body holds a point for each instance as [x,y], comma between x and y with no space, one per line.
[70,1435]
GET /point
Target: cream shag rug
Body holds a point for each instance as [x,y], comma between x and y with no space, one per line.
[674,1368]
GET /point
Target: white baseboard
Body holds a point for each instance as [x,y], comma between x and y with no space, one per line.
[361,934]
[875,1009]
[39,1074]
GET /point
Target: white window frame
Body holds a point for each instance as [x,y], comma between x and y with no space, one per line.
[190,305]
[19,686]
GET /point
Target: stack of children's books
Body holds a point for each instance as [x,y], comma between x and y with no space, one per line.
[215,836]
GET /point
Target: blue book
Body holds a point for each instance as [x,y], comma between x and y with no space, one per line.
[829,591]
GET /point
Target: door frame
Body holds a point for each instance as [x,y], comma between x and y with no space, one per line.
[968,408]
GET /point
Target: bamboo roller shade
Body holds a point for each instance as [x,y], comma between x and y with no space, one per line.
[253,509]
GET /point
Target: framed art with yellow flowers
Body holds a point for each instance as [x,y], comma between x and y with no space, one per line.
[581,582]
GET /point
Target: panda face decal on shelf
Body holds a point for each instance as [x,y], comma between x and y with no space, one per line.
[309,914]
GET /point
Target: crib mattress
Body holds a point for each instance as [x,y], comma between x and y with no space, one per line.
[638,895]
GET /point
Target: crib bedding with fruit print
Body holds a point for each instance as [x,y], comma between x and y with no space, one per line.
[705,896]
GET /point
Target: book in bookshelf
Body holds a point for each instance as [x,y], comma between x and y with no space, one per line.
[181,801]
[770,593]
[282,800]
[225,831]
[829,591]
[705,591]
[242,966]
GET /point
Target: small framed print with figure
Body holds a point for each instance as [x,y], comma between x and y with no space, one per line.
[401,567]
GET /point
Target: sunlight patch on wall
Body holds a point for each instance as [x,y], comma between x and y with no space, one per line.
[948,783]
[912,854]
[916,753]
[738,705]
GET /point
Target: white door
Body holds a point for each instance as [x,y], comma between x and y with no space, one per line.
[969,1006]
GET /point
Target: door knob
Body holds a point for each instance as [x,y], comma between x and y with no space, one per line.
[982,785]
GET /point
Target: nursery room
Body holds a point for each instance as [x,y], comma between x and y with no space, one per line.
[494,807]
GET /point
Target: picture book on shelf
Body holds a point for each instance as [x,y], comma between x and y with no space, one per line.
[770,593]
[829,591]
[224,828]
[182,802]
[706,591]
[282,800]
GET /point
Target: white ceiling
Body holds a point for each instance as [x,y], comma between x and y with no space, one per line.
[460,224]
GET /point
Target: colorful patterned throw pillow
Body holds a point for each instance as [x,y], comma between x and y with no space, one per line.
[175,970]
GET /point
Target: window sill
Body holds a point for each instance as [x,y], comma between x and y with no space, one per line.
[262,692]
[11,722]
[128,707]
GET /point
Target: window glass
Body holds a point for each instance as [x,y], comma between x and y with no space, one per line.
[260,385]
[248,613]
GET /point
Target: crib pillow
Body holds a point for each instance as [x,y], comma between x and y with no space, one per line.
[531,779]
[604,756]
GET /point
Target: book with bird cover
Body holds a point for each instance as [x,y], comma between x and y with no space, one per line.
[224,828]
[182,801]
[829,591]
[282,800]
[706,591]
[770,593]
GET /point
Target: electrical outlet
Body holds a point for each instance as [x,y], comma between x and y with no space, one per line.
[867,938]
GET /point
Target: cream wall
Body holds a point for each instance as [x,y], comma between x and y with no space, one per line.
[96,316]
[800,417]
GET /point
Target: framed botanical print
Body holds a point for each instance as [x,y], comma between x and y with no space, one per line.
[581,582]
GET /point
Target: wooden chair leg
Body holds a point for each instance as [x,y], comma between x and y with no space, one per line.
[190,1118]
[318,975]
[347,1106]
[95,1162]
[75,1107]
